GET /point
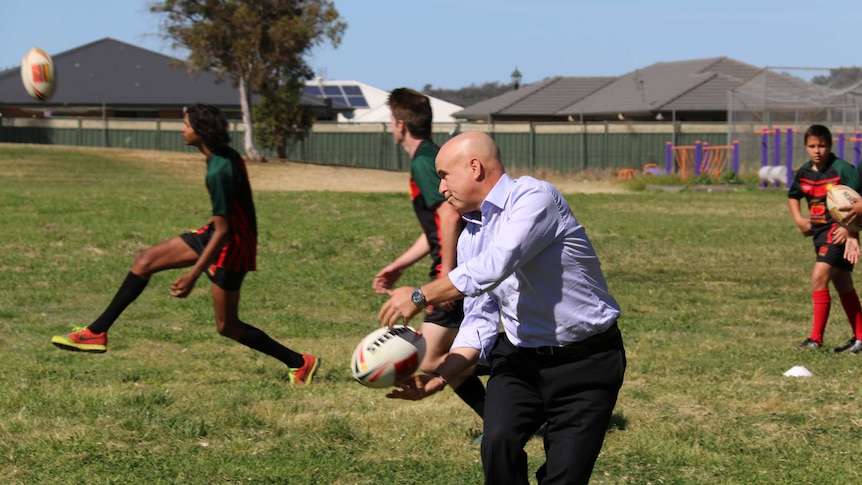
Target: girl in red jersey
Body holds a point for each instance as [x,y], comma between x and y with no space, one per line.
[225,250]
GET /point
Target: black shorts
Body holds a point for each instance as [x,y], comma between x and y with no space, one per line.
[224,279]
[827,251]
[444,318]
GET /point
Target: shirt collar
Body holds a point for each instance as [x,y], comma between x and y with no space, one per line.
[499,194]
[497,197]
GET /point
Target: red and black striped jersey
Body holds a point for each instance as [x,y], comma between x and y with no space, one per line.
[813,184]
[426,197]
[230,193]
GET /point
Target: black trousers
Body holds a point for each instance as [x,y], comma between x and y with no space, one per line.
[573,394]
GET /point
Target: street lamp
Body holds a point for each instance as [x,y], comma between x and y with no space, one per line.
[516,78]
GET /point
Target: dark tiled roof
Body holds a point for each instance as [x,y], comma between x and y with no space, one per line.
[120,74]
[699,85]
[537,99]
[700,82]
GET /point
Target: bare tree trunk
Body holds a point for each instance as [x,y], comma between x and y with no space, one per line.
[251,152]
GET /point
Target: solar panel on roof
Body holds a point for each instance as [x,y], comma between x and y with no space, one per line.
[346,94]
[357,101]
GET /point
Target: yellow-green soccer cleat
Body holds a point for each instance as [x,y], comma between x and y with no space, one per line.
[83,340]
[303,375]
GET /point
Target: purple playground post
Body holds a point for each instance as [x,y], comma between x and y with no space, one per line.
[789,157]
[698,156]
[668,157]
[764,151]
[776,154]
[857,148]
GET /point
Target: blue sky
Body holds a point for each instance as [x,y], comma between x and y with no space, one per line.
[456,43]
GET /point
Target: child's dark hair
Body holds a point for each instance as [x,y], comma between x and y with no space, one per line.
[210,124]
[414,109]
[819,131]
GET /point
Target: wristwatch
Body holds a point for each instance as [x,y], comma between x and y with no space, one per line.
[418,298]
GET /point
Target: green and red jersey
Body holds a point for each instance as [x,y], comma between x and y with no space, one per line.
[813,184]
[230,194]
[426,197]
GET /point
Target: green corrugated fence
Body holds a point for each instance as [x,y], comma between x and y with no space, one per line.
[559,148]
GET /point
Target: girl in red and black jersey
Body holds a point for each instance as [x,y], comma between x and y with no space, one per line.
[225,249]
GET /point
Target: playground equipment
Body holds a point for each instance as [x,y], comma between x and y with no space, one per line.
[701,158]
[841,141]
[775,174]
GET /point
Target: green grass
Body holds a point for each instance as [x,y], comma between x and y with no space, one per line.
[714,290]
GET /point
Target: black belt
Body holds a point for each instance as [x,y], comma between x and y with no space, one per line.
[583,348]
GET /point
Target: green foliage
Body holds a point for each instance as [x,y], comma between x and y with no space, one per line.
[840,78]
[729,177]
[259,46]
[714,289]
[702,179]
[280,119]
[470,95]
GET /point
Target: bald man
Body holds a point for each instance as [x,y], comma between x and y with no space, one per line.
[526,264]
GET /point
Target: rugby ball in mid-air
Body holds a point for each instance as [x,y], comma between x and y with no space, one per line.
[840,196]
[385,357]
[38,74]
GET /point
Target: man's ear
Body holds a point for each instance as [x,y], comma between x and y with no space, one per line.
[477,170]
[400,126]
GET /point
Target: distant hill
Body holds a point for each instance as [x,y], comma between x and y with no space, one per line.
[469,95]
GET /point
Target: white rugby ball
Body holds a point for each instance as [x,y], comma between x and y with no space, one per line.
[38,74]
[385,357]
[840,196]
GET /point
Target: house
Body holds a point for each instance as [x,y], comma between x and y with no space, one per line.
[692,90]
[369,103]
[541,101]
[110,78]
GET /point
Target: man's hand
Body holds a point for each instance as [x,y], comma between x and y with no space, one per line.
[416,387]
[399,308]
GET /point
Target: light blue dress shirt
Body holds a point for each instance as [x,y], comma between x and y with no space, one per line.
[527,263]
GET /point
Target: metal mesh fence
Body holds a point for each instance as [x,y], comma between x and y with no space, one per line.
[795,97]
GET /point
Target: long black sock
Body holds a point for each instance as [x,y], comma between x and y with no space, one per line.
[472,392]
[256,339]
[129,291]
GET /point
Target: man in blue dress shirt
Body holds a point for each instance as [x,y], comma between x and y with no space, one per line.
[524,264]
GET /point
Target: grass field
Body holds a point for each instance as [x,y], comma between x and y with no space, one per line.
[714,290]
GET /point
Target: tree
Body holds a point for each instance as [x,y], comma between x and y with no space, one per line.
[470,95]
[280,118]
[258,44]
[840,78]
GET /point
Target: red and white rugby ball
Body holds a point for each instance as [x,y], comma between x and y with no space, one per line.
[38,74]
[840,196]
[385,357]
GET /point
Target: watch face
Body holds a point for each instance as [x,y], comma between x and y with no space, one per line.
[418,298]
